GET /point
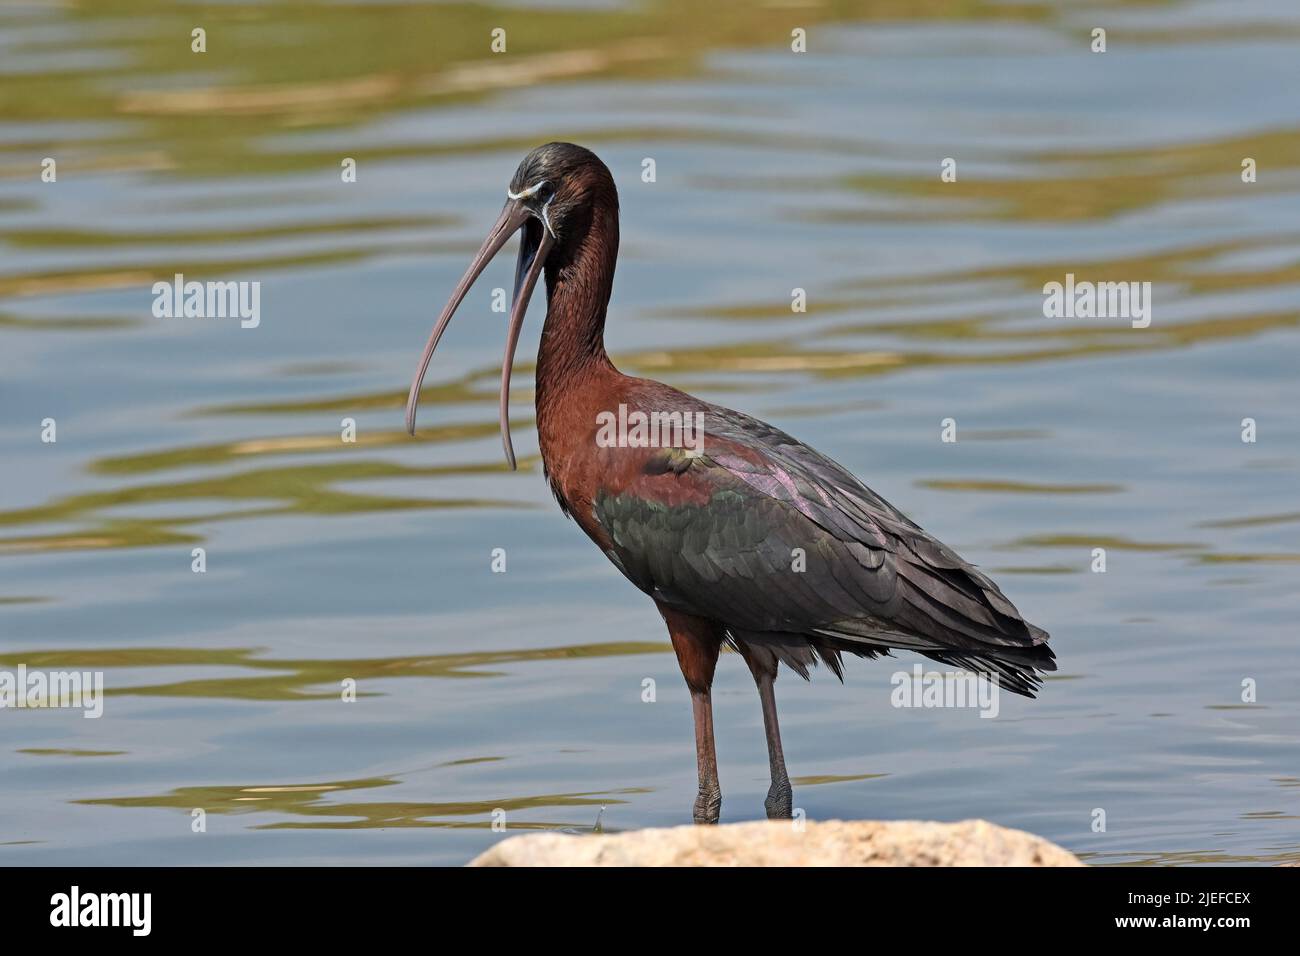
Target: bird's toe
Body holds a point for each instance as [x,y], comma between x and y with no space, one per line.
[708,806]
[779,802]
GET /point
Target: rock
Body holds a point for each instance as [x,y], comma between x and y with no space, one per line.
[782,843]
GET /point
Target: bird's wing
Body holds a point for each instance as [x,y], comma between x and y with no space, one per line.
[767,535]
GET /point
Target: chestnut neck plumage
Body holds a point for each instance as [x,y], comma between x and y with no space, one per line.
[571,357]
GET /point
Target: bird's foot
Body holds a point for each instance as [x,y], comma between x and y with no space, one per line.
[708,806]
[779,802]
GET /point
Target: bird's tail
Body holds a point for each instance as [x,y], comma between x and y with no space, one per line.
[1018,669]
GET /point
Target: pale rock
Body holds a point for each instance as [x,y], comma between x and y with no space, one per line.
[784,843]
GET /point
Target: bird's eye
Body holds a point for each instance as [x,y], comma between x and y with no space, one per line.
[544,192]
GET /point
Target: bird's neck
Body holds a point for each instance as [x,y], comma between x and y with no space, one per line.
[575,378]
[579,280]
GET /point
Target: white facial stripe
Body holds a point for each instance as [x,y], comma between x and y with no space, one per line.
[546,219]
[527,193]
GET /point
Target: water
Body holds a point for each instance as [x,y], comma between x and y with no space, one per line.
[522,691]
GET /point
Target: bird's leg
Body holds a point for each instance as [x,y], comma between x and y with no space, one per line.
[708,803]
[697,643]
[779,796]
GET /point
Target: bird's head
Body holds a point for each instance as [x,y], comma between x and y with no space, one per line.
[558,185]
[551,198]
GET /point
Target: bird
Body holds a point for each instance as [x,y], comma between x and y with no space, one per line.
[741,535]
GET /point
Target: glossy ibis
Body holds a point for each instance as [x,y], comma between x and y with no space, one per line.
[748,538]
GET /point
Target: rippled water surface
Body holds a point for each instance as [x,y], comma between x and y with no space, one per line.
[522,691]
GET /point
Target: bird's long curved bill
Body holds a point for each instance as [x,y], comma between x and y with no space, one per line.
[533,249]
